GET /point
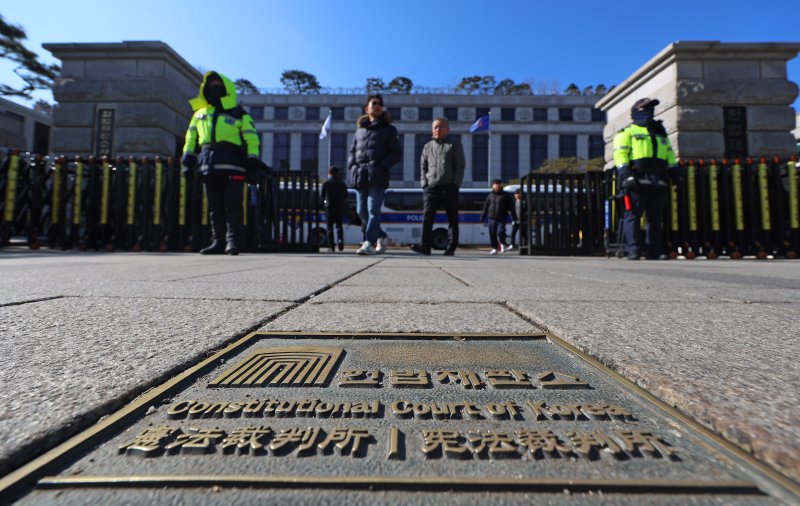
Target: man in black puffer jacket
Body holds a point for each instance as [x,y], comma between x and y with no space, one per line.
[497,206]
[375,150]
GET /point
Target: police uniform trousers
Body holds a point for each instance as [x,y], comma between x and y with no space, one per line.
[650,199]
[224,193]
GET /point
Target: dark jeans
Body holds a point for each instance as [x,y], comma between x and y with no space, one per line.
[435,198]
[497,230]
[335,220]
[650,199]
[225,197]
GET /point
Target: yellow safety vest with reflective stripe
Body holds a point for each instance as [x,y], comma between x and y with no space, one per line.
[637,147]
[232,125]
[229,128]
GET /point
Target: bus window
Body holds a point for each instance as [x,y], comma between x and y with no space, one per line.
[402,201]
[412,201]
[471,201]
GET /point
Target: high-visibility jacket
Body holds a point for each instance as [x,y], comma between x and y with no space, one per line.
[223,136]
[639,148]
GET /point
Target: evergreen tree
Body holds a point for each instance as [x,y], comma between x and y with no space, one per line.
[469,85]
[35,74]
[572,89]
[374,85]
[300,82]
[400,85]
[245,87]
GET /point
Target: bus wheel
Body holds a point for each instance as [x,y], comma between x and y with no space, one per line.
[322,237]
[439,238]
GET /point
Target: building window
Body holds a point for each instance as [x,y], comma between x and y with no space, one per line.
[257,113]
[451,113]
[395,112]
[419,142]
[538,150]
[509,157]
[281,113]
[481,111]
[507,114]
[564,114]
[312,113]
[309,151]
[281,145]
[597,147]
[540,114]
[339,150]
[480,158]
[337,113]
[568,146]
[426,114]
[396,170]
[598,115]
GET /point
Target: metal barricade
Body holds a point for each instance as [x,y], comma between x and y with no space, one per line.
[732,208]
[143,204]
[563,214]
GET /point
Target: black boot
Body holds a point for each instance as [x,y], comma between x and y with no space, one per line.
[422,250]
[215,248]
[231,249]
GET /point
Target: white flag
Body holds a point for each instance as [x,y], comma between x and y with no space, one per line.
[326,127]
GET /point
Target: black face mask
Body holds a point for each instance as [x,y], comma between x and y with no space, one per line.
[213,93]
[643,116]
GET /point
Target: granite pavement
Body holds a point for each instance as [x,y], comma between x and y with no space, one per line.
[83,333]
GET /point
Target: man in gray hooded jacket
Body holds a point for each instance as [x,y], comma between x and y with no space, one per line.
[441,173]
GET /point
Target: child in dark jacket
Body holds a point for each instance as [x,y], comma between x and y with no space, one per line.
[497,207]
[334,197]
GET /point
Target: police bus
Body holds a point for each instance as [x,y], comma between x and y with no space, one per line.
[401,217]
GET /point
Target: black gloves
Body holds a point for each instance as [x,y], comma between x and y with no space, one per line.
[630,184]
[189,163]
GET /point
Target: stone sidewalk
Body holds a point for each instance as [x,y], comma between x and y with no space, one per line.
[83,333]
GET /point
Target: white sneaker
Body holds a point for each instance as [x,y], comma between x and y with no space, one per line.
[380,246]
[365,249]
[503,248]
[493,252]
[510,247]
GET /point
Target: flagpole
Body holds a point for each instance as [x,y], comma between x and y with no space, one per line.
[489,152]
[330,139]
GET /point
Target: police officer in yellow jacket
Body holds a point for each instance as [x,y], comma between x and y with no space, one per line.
[221,141]
[644,159]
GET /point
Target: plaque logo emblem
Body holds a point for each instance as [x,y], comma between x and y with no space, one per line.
[289,366]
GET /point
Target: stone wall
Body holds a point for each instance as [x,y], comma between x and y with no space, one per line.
[146,84]
[695,83]
[20,125]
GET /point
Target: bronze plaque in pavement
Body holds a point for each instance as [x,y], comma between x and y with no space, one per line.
[509,413]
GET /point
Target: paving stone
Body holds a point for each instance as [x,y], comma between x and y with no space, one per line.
[397,317]
[66,362]
[730,366]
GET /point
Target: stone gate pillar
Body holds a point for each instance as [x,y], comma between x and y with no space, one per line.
[717,99]
[126,98]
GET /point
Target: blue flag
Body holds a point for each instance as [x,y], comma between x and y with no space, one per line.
[481,125]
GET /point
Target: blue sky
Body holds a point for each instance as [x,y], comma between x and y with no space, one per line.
[433,43]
